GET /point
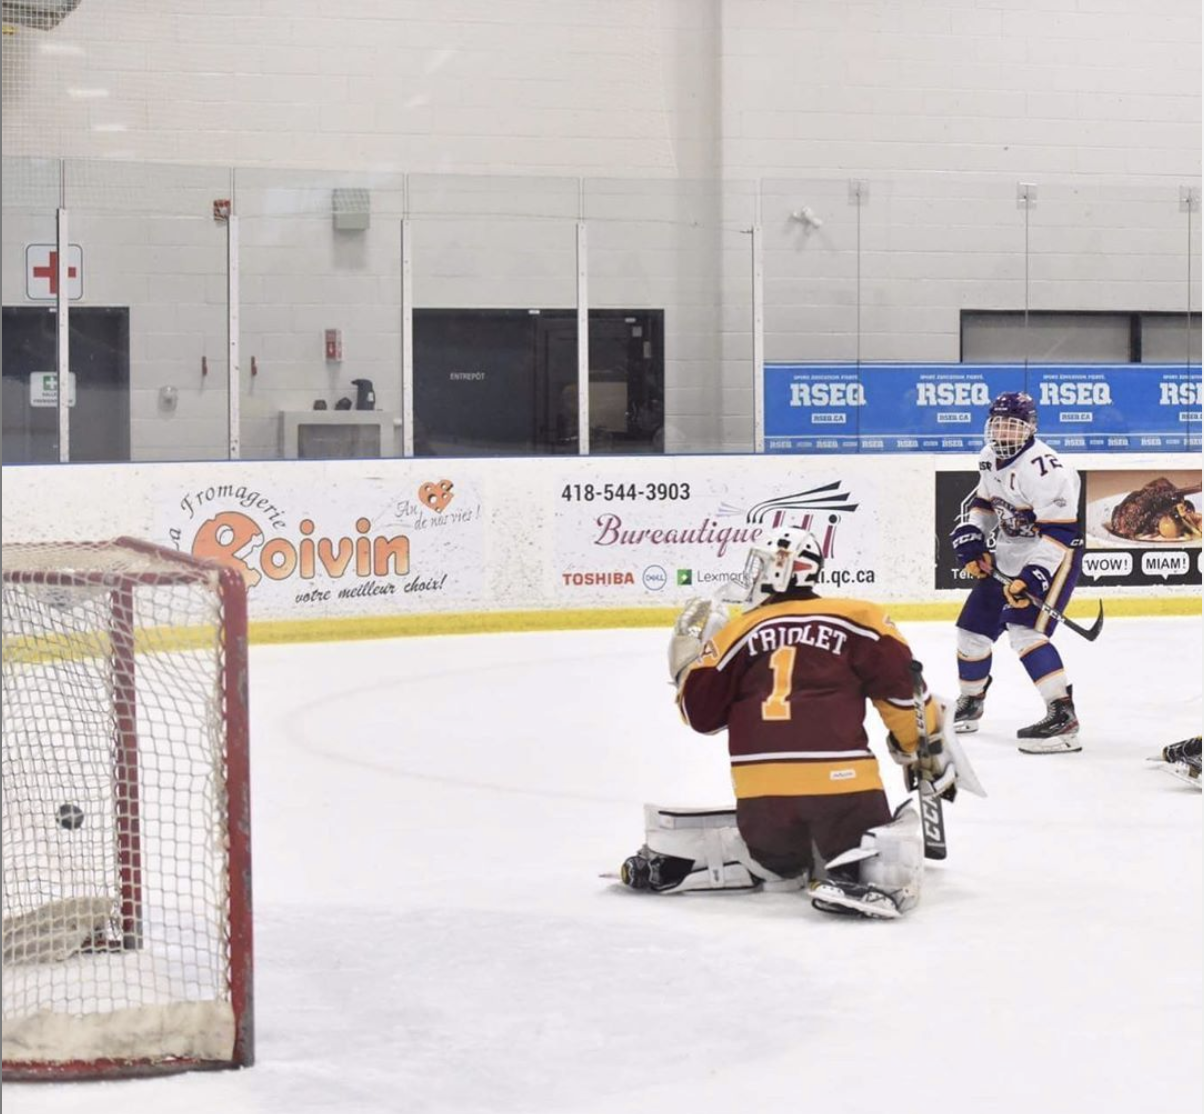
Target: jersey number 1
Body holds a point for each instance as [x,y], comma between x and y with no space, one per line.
[781,661]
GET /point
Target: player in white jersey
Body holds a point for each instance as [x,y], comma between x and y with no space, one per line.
[1033,498]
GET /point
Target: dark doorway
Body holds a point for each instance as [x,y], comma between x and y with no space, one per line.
[504,382]
[100,362]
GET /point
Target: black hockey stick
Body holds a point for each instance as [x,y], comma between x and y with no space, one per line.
[932,815]
[1090,633]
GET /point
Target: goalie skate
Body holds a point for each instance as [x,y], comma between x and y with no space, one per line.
[856,899]
[1184,771]
[1181,760]
[1188,750]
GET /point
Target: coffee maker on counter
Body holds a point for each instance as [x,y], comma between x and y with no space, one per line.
[365,396]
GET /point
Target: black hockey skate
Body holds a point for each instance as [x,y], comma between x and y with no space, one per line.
[1189,768]
[853,899]
[646,870]
[1185,751]
[1182,760]
[1057,733]
[969,711]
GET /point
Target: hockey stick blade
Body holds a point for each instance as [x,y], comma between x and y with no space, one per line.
[1090,633]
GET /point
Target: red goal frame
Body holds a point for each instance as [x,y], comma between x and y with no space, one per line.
[231,590]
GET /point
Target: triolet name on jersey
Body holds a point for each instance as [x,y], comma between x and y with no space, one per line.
[768,638]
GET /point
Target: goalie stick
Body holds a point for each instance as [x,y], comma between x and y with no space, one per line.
[1090,633]
[932,814]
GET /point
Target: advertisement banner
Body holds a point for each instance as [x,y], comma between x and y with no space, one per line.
[1141,528]
[839,408]
[881,408]
[813,408]
[1124,407]
[356,548]
[319,540]
[639,539]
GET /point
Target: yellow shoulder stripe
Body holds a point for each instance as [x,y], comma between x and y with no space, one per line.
[859,613]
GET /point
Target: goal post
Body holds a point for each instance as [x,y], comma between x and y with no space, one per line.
[127,937]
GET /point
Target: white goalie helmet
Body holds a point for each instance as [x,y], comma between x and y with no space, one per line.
[788,557]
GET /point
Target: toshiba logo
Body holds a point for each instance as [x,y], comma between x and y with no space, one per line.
[597,579]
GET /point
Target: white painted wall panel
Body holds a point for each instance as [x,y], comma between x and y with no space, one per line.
[672,110]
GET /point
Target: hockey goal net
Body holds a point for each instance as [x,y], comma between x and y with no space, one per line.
[126,823]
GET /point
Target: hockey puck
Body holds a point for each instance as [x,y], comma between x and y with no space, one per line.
[71,817]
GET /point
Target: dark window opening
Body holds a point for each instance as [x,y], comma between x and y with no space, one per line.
[503,382]
[1067,337]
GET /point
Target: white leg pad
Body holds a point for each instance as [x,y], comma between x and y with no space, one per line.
[710,839]
[1053,685]
[971,645]
[1024,638]
[892,857]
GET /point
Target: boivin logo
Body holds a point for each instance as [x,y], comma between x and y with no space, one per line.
[235,539]
[437,495]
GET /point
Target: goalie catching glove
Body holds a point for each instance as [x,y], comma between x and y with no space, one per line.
[937,768]
[698,623]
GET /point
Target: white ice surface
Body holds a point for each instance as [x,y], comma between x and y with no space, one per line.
[430,818]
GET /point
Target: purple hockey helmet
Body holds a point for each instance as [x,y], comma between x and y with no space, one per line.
[1011,423]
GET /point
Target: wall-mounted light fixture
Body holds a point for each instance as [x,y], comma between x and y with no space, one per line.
[351,209]
[807,217]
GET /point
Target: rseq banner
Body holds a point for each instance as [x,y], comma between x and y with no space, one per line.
[889,408]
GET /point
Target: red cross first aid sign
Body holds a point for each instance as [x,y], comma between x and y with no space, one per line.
[42,272]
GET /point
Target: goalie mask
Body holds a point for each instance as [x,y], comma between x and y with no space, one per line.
[789,557]
[1011,423]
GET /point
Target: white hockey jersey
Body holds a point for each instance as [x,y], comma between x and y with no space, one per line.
[1033,499]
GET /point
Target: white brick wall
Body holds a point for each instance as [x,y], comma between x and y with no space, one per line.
[1030,87]
[941,105]
[474,87]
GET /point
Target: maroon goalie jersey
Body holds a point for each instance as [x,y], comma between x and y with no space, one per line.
[789,680]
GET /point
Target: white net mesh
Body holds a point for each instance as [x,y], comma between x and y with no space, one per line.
[117,932]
